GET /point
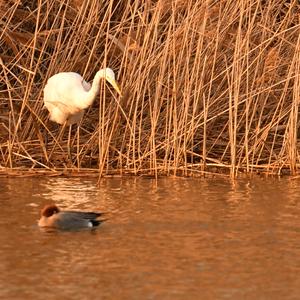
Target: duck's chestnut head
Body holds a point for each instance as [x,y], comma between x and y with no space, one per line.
[49,210]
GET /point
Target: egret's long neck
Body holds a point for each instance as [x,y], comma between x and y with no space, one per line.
[93,92]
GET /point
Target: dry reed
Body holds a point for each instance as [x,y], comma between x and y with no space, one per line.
[207,85]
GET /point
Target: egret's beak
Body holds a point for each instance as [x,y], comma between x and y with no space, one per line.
[115,85]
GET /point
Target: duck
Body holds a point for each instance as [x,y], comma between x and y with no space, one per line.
[53,217]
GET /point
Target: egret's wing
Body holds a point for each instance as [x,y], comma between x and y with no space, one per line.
[65,108]
[63,95]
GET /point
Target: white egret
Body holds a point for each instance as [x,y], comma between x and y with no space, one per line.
[67,94]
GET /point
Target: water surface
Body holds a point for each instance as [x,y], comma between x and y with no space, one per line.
[165,239]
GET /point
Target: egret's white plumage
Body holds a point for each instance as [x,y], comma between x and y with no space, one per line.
[67,94]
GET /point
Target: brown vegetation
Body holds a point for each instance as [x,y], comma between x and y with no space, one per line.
[205,84]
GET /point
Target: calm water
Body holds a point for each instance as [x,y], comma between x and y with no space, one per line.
[171,239]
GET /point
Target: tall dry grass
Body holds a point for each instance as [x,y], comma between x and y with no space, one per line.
[207,85]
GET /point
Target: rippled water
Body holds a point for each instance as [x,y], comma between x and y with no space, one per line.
[170,239]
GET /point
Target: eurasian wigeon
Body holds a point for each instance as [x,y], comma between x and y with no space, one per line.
[53,217]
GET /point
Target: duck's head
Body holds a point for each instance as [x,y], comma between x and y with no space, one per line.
[49,210]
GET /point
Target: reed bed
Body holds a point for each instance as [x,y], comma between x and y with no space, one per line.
[208,86]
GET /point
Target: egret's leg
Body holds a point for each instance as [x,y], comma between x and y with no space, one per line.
[58,139]
[69,144]
[78,145]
